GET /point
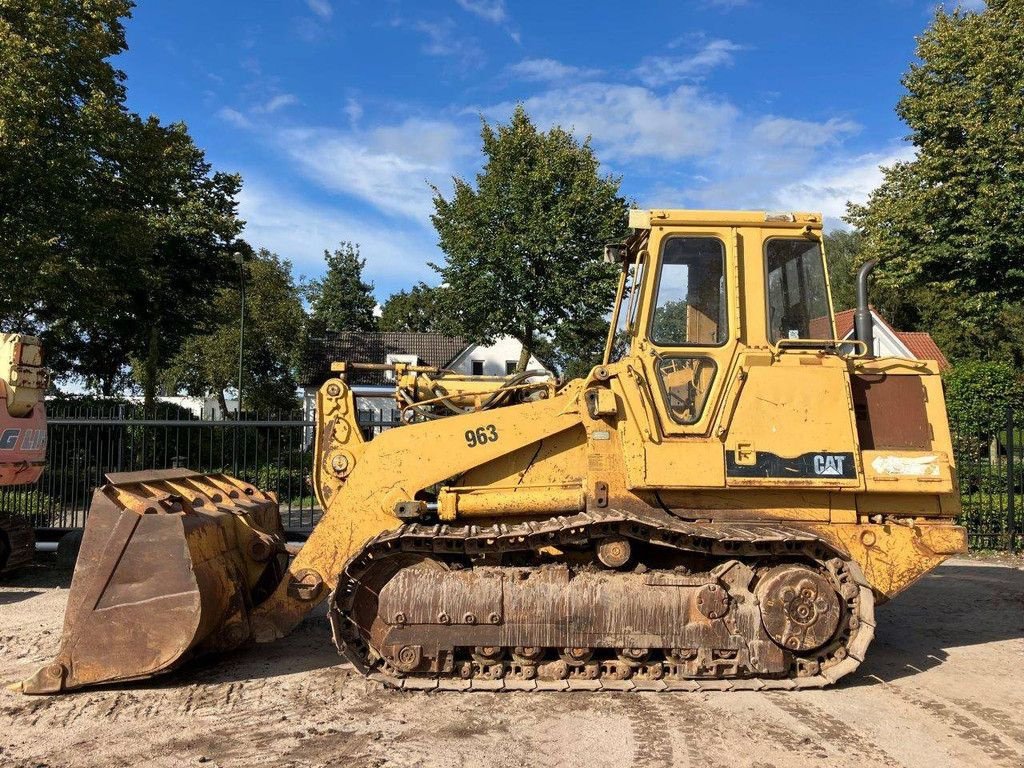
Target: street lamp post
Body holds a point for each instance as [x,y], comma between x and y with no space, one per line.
[240,258]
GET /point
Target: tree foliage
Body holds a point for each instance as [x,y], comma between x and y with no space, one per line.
[948,225]
[842,250]
[671,321]
[421,309]
[977,397]
[169,228]
[60,99]
[115,231]
[341,300]
[523,248]
[274,318]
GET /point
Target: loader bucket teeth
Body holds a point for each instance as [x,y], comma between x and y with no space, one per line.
[171,565]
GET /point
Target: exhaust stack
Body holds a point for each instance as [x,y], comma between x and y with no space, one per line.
[863,326]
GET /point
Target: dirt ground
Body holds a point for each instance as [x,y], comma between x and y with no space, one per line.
[942,686]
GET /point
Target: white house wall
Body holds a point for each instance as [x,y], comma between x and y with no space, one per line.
[887,344]
[494,357]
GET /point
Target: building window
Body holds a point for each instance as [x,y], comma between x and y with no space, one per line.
[478,367]
[510,367]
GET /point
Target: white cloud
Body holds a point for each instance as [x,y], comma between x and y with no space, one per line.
[654,70]
[549,70]
[811,182]
[629,121]
[829,189]
[490,10]
[354,111]
[321,8]
[389,167]
[786,131]
[275,103]
[442,40]
[300,231]
[695,148]
[234,117]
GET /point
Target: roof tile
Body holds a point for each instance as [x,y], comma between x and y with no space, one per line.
[923,347]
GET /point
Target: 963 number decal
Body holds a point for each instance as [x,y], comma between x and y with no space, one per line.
[481,436]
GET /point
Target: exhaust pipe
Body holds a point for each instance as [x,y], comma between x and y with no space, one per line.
[864,329]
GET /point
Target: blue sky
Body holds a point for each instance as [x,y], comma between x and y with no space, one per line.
[338,113]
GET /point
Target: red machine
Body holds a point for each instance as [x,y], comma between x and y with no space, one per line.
[23,382]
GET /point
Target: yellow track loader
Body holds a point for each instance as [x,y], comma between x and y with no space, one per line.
[720,508]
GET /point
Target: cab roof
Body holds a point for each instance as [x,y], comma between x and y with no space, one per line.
[645,219]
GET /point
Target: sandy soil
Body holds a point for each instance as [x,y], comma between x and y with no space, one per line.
[942,686]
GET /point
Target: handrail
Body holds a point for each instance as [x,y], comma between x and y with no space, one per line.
[831,344]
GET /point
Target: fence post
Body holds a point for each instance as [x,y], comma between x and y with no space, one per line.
[1011,519]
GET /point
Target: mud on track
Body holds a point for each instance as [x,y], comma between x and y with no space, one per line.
[942,686]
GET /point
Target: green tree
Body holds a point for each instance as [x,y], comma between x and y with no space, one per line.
[842,250]
[977,397]
[421,309]
[341,300]
[163,243]
[114,230]
[60,99]
[208,363]
[523,249]
[671,322]
[948,225]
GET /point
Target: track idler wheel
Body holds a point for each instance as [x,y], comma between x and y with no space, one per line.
[800,609]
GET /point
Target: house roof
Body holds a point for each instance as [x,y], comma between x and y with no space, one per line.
[923,347]
[920,344]
[845,321]
[432,349]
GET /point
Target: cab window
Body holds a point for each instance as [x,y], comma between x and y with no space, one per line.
[797,295]
[689,308]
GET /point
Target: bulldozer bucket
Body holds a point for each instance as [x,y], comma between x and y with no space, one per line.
[171,565]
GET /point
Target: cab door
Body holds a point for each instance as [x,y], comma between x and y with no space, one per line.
[690,327]
[793,422]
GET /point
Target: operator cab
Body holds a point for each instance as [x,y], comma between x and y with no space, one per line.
[702,284]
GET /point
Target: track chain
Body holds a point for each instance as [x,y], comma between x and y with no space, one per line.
[726,540]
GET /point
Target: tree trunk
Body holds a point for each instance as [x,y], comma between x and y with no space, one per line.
[524,354]
[150,370]
[222,403]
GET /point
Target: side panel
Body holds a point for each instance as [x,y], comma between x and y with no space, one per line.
[693,463]
[903,430]
[793,426]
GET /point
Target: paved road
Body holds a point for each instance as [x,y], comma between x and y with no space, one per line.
[942,686]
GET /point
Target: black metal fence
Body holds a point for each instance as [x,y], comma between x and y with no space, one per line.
[275,452]
[991,473]
[272,451]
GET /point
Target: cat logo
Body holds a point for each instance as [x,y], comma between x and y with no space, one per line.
[828,465]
